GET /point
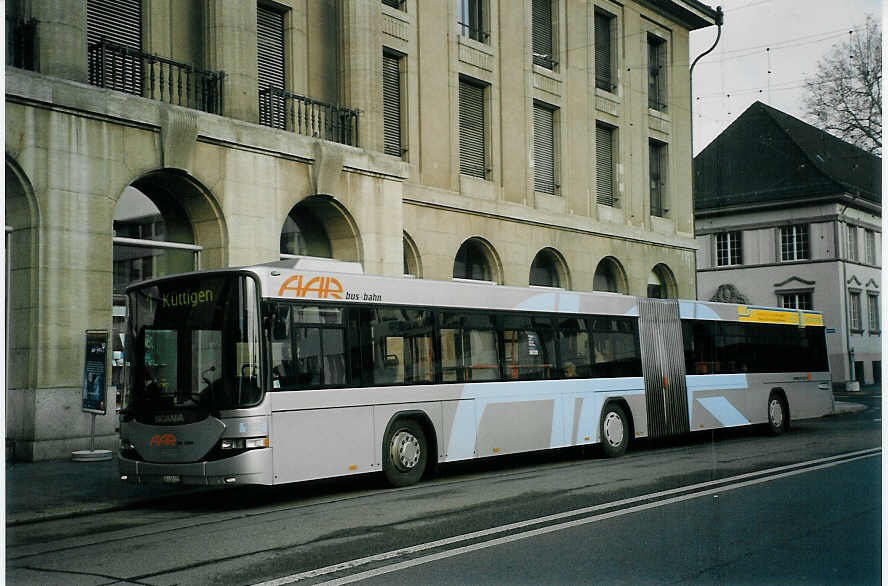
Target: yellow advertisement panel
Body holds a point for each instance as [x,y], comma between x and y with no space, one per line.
[778,316]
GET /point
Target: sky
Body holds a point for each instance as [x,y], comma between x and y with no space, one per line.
[767,49]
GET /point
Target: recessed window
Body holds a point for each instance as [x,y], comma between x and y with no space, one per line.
[544,151]
[658,166]
[795,300]
[729,249]
[853,249]
[543,34]
[472,262]
[656,73]
[605,191]
[546,269]
[870,240]
[472,132]
[794,243]
[271,66]
[471,20]
[875,325]
[605,77]
[391,104]
[854,316]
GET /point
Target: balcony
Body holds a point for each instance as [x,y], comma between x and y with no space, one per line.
[20,37]
[281,109]
[117,67]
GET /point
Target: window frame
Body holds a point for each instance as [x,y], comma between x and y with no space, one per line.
[393,127]
[729,248]
[471,19]
[853,243]
[657,61]
[873,312]
[659,180]
[792,238]
[605,66]
[539,22]
[548,114]
[466,166]
[612,199]
[855,316]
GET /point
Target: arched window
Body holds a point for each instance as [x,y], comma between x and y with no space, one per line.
[412,264]
[609,276]
[304,234]
[152,238]
[548,269]
[319,226]
[473,262]
[661,283]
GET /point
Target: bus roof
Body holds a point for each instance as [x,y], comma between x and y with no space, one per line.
[335,281]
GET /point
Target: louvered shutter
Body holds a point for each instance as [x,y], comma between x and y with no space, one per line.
[603,77]
[272,78]
[542,33]
[543,149]
[119,22]
[472,159]
[391,104]
[604,171]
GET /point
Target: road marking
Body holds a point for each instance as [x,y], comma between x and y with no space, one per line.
[709,487]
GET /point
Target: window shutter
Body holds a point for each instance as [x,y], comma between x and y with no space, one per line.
[543,149]
[542,34]
[270,57]
[472,159]
[391,104]
[120,22]
[603,78]
[604,171]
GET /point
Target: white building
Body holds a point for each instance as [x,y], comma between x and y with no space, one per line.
[788,215]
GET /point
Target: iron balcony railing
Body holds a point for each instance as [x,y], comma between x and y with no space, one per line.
[282,109]
[21,35]
[129,70]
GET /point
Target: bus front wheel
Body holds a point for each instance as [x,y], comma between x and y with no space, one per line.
[614,431]
[405,453]
[778,419]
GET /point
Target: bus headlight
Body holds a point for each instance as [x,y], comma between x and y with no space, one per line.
[241,443]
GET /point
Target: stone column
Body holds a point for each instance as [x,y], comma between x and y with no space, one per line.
[231,47]
[61,37]
[361,67]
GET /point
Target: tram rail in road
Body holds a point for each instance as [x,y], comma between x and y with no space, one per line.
[407,557]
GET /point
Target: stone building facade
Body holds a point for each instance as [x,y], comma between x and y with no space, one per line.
[527,142]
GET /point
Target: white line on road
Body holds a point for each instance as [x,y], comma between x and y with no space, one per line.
[704,488]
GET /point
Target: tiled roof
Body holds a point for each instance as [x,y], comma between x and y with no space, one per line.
[767,156]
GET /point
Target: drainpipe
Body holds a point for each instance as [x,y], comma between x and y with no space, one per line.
[847,312]
[719,20]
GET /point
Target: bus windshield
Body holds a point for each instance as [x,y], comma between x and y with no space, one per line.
[193,348]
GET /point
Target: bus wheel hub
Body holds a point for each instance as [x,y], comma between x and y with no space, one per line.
[405,450]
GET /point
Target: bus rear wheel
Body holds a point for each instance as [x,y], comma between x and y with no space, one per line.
[404,453]
[778,419]
[614,431]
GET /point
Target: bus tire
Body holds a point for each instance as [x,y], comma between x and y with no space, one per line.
[778,414]
[405,453]
[614,430]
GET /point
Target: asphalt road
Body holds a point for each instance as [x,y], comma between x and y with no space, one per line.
[706,508]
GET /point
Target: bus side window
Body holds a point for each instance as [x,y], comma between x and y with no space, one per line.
[402,346]
[469,348]
[573,348]
[282,367]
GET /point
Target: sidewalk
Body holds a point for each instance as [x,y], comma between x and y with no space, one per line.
[54,489]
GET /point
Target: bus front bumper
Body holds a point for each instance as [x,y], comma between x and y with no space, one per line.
[251,467]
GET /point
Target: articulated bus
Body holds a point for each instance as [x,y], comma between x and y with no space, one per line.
[289,372]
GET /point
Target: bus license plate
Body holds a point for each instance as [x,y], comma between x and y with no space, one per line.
[172,479]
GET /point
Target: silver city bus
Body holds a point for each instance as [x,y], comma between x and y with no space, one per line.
[286,372]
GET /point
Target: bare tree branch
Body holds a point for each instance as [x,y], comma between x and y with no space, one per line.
[844,96]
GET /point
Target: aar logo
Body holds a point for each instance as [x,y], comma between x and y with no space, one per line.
[163,440]
[317,287]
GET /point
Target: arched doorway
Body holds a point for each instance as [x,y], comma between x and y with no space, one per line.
[610,276]
[476,260]
[661,283]
[548,269]
[164,223]
[22,287]
[319,226]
